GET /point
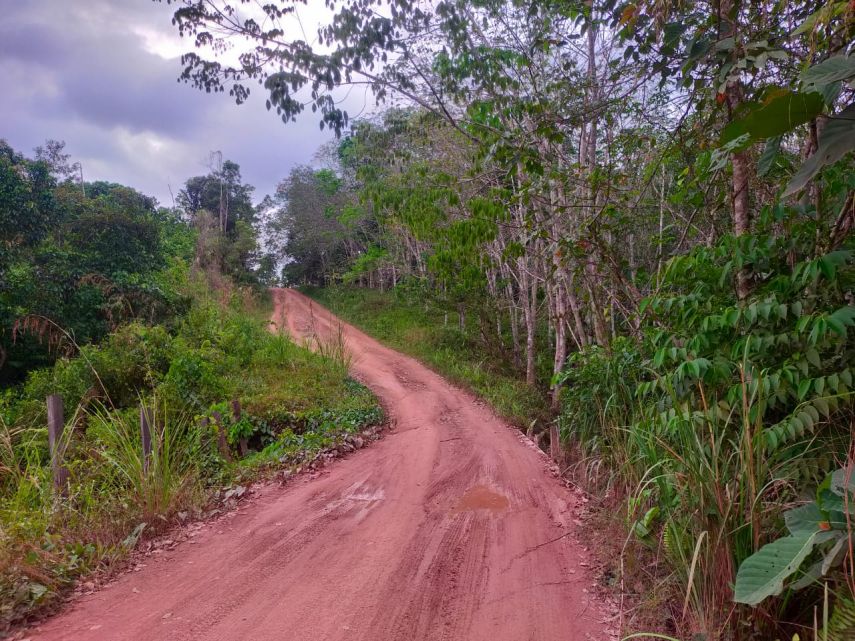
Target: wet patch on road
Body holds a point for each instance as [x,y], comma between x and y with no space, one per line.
[481,498]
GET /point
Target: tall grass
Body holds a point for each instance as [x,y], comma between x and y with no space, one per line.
[332,346]
[722,415]
[701,486]
[162,482]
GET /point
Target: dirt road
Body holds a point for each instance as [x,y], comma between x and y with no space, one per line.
[449,528]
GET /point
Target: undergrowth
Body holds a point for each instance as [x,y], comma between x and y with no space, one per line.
[724,414]
[293,404]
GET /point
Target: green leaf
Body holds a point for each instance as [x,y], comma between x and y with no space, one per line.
[838,327]
[779,115]
[836,507]
[732,144]
[833,382]
[812,357]
[845,315]
[828,71]
[763,573]
[770,153]
[731,316]
[804,519]
[842,480]
[804,388]
[694,368]
[727,44]
[837,139]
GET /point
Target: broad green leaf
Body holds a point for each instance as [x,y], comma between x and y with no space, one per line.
[785,111]
[836,509]
[804,519]
[845,315]
[837,139]
[691,367]
[763,573]
[828,71]
[770,153]
[830,93]
[837,326]
[842,480]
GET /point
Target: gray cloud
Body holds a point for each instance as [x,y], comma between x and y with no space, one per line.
[95,74]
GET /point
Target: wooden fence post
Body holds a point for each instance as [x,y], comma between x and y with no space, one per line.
[236,412]
[555,444]
[56,425]
[221,436]
[145,436]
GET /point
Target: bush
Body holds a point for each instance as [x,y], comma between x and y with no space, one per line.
[727,410]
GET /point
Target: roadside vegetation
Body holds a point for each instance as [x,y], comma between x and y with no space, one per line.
[418,326]
[647,210]
[182,332]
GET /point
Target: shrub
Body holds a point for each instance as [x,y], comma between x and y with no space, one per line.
[726,409]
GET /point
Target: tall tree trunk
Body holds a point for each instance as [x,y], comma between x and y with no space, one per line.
[741,212]
[530,329]
[560,353]
[515,324]
[581,334]
[528,298]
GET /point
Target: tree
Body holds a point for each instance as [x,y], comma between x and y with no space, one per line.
[307,229]
[53,154]
[75,263]
[221,191]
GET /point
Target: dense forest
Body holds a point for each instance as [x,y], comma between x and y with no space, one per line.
[645,209]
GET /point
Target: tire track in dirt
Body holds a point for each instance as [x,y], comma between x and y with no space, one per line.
[449,529]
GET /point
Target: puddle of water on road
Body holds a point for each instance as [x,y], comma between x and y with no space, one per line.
[481,498]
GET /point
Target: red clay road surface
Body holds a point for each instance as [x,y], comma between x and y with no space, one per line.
[449,528]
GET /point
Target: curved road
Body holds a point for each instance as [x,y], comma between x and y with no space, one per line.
[449,528]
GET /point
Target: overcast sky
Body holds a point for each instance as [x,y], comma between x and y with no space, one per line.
[101,75]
